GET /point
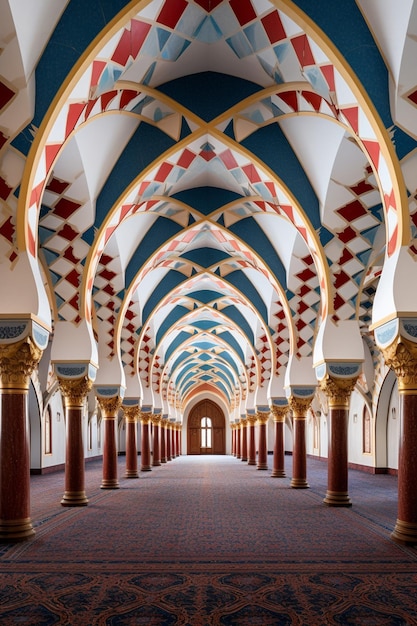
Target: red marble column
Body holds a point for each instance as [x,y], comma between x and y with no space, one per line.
[145,466]
[232,426]
[239,440]
[173,442]
[131,417]
[168,441]
[252,443]
[109,410]
[244,455]
[156,458]
[279,413]
[299,408]
[262,443]
[405,531]
[178,439]
[17,362]
[163,442]
[338,391]
[75,392]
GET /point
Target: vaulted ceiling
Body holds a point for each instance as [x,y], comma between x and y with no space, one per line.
[204,180]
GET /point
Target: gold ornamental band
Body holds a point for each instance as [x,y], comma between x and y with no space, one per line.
[13,391]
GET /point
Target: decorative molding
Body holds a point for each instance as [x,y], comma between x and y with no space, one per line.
[279,412]
[338,390]
[131,412]
[385,334]
[17,362]
[262,417]
[401,356]
[299,405]
[75,390]
[71,370]
[344,370]
[109,405]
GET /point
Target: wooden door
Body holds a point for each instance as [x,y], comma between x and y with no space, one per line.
[206,429]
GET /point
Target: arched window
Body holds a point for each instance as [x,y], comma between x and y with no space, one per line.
[366,425]
[48,431]
[206,432]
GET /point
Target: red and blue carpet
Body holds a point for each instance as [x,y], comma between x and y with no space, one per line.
[203,541]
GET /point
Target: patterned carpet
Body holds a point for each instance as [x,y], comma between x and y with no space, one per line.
[203,541]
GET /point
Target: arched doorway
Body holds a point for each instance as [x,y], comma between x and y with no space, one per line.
[206,429]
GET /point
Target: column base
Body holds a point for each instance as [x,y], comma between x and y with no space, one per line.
[146,468]
[262,466]
[110,483]
[131,474]
[251,462]
[278,473]
[299,483]
[337,498]
[16,530]
[405,533]
[163,461]
[245,460]
[74,498]
[156,464]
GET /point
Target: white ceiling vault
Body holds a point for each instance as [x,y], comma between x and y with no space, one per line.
[204,181]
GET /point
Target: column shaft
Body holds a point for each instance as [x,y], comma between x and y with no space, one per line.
[74,494]
[110,479]
[244,442]
[168,442]
[262,443]
[163,443]
[145,446]
[278,469]
[337,473]
[15,522]
[252,443]
[299,458]
[131,443]
[239,441]
[405,531]
[156,459]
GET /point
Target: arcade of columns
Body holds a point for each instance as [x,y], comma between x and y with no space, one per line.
[336,379]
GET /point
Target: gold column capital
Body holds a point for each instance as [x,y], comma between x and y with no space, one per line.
[131,413]
[279,412]
[338,390]
[252,419]
[401,356]
[262,417]
[109,406]
[156,418]
[145,418]
[299,406]
[17,362]
[75,390]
